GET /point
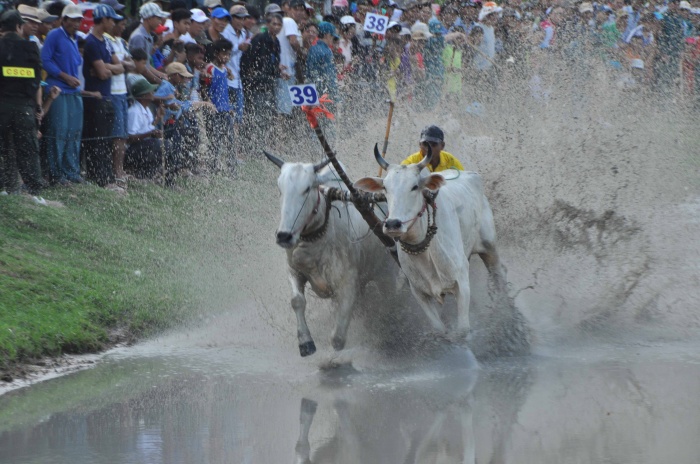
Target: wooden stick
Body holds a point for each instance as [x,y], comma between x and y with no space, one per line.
[360,201]
[482,54]
[386,136]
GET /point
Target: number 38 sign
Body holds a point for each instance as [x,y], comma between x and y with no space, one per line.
[303,94]
[376,23]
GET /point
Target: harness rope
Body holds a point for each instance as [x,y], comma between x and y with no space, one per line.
[320,232]
[418,248]
[429,204]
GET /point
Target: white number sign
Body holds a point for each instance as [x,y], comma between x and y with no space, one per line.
[376,23]
[303,94]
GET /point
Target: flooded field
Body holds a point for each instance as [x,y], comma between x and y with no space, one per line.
[598,215]
[162,404]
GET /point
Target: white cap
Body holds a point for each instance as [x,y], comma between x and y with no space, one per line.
[420,31]
[198,15]
[392,24]
[488,8]
[684,5]
[585,7]
[637,63]
[345,20]
[71,11]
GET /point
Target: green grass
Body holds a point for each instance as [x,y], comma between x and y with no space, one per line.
[68,275]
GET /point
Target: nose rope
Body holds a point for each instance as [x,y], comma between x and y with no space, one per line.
[313,211]
[299,212]
[420,214]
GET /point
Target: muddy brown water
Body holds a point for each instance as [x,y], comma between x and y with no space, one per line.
[598,212]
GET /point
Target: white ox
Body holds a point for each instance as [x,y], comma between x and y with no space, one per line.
[465,227]
[320,249]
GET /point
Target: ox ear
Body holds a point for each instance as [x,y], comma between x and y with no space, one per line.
[433,182]
[370,184]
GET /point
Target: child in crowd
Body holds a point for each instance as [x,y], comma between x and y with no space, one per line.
[171,88]
[140,58]
[220,123]
[145,153]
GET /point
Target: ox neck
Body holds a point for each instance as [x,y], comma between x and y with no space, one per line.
[317,224]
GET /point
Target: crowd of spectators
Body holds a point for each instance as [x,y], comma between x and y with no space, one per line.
[88,93]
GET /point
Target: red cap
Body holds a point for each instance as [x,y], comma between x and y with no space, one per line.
[160,29]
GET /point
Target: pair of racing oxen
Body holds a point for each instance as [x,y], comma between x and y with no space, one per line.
[436,234]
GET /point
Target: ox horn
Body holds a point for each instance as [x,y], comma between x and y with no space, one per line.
[278,162]
[426,159]
[321,165]
[382,162]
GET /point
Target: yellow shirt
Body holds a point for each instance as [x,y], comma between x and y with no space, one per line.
[447,161]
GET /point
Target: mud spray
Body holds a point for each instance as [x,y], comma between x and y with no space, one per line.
[595,191]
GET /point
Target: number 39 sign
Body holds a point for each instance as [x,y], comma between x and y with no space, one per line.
[376,23]
[304,94]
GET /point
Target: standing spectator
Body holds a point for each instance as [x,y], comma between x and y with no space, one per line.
[48,23]
[220,18]
[182,21]
[670,44]
[349,43]
[309,36]
[240,38]
[62,60]
[21,107]
[252,22]
[119,99]
[260,68]
[142,37]
[320,68]
[290,47]
[198,25]
[98,123]
[31,21]
[174,131]
[221,124]
[145,152]
[435,68]
[194,62]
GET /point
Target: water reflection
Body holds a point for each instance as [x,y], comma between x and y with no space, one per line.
[537,410]
[424,420]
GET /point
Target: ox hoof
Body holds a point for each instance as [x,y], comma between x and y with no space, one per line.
[338,343]
[307,349]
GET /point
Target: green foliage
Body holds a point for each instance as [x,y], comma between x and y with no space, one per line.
[68,275]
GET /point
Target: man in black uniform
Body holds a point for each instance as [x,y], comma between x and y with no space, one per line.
[20,93]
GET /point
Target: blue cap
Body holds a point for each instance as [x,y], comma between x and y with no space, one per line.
[105,11]
[324,27]
[220,13]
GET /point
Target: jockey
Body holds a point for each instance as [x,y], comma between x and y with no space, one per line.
[433,136]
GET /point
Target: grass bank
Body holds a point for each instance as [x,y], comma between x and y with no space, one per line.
[70,276]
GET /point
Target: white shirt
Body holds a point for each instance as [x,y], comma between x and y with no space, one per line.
[36,40]
[235,62]
[487,47]
[139,119]
[187,38]
[346,50]
[119,49]
[288,56]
